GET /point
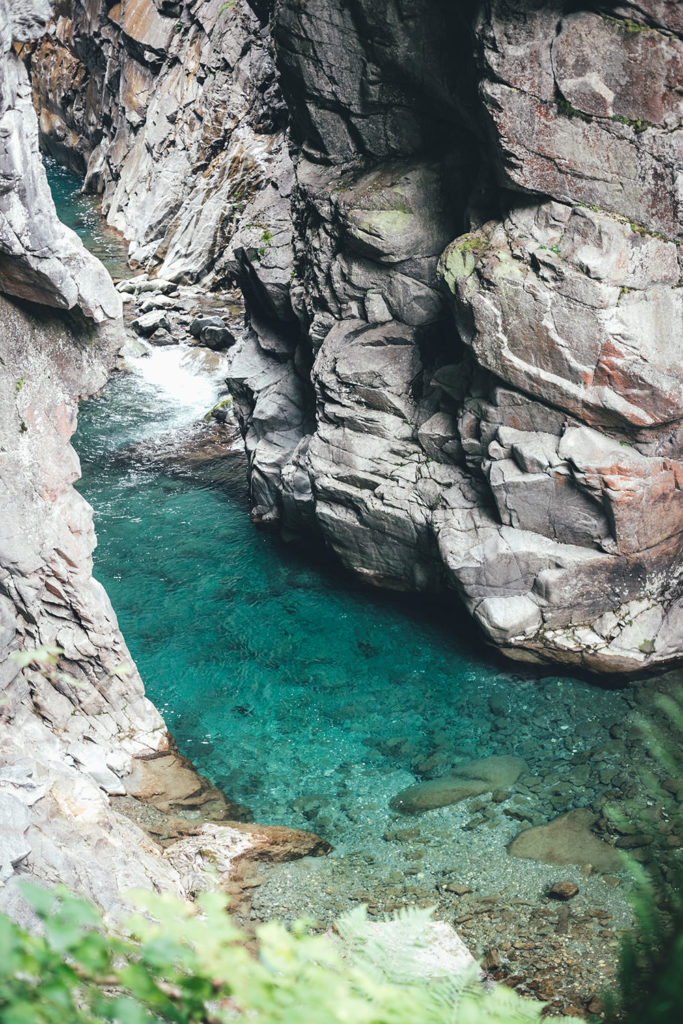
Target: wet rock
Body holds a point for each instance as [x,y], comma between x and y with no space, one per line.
[156,301]
[473,779]
[212,332]
[150,322]
[311,804]
[440,792]
[566,840]
[456,889]
[563,891]
[498,770]
[161,336]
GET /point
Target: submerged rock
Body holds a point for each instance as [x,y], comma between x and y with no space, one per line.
[471,779]
[566,840]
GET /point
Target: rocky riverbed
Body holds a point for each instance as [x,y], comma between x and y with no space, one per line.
[503,809]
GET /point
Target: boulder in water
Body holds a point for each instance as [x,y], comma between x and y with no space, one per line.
[150,322]
[212,332]
[566,840]
[472,779]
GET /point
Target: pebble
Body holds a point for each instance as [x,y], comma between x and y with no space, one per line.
[612,881]
[458,890]
[563,891]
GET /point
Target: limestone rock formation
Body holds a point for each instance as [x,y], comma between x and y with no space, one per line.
[461,366]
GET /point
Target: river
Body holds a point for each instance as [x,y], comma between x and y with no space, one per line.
[314,700]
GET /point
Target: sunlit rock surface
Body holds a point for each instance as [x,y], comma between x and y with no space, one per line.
[172,112]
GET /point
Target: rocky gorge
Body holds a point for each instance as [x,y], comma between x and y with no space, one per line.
[456,230]
[75,721]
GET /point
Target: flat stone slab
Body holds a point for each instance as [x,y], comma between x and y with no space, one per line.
[472,779]
[566,840]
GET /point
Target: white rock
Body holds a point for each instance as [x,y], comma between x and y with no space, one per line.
[507,617]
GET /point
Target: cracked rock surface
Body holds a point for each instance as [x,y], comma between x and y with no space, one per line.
[458,233]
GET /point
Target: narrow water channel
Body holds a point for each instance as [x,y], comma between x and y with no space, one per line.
[314,700]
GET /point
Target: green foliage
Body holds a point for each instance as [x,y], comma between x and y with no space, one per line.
[229,6]
[628,25]
[471,242]
[45,660]
[186,965]
[18,385]
[651,961]
[564,107]
[38,657]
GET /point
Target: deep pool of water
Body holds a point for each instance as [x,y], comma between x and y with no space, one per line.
[278,675]
[273,671]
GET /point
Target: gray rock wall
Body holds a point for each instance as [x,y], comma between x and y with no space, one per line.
[461,366]
[172,113]
[74,720]
[520,440]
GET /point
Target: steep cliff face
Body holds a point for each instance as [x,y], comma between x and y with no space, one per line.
[172,113]
[75,726]
[462,360]
[526,451]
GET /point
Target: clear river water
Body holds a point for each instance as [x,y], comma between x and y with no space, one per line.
[309,698]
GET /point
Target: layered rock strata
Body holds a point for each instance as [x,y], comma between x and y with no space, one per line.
[462,364]
[76,731]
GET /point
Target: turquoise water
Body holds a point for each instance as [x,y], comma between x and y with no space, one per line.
[278,675]
[269,669]
[82,214]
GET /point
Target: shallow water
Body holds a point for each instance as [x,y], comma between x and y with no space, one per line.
[82,214]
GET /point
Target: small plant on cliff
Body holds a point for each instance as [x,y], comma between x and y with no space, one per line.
[565,108]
